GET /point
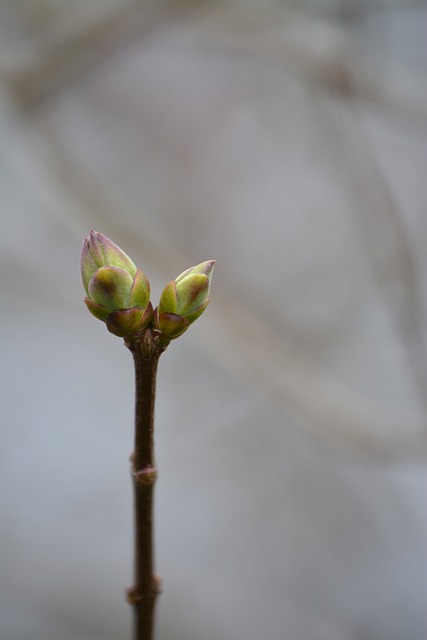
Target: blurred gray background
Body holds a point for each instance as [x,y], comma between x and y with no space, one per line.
[288,140]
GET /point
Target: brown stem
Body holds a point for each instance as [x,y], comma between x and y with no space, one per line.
[142,596]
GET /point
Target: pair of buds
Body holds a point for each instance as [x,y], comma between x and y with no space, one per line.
[118,293]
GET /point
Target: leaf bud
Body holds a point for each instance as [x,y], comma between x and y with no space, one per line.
[117,292]
[183,300]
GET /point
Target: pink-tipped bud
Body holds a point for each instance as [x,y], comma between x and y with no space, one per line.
[117,292]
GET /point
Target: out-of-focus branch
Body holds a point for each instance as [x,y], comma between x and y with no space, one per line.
[65,54]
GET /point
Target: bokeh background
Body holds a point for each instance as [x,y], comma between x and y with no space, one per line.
[288,140]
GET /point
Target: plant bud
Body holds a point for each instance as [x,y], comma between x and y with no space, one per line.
[183,300]
[117,292]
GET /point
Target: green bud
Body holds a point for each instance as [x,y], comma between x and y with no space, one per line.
[117,292]
[99,251]
[183,300]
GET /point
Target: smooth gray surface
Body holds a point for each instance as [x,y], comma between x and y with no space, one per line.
[291,418]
